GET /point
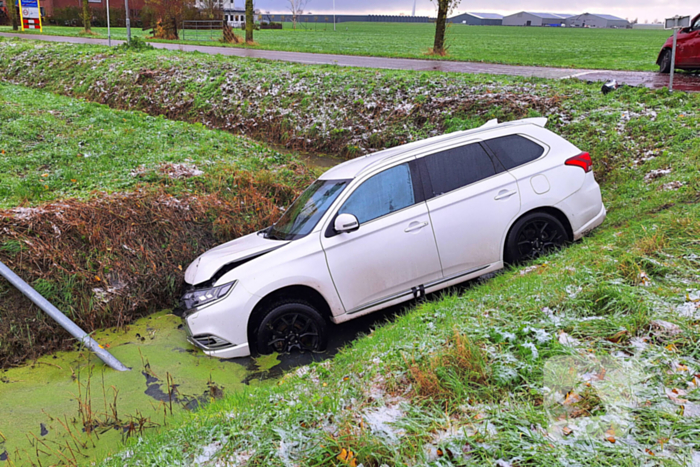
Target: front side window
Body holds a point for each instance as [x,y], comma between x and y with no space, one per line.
[514,150]
[458,167]
[303,215]
[382,194]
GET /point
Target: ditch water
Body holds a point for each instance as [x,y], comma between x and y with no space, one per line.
[69,408]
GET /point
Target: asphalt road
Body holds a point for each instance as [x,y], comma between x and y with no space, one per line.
[682,82]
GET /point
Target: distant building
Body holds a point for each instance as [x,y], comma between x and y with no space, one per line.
[590,20]
[477,19]
[529,18]
[328,18]
[648,26]
[236,17]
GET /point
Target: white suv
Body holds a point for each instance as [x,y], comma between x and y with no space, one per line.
[390,227]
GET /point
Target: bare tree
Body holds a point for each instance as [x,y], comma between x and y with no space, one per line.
[249,20]
[87,16]
[297,9]
[168,13]
[12,12]
[445,7]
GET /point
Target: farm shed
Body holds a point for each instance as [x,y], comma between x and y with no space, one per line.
[529,18]
[236,17]
[478,19]
[591,20]
[328,18]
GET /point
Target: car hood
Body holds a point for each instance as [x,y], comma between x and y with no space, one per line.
[226,255]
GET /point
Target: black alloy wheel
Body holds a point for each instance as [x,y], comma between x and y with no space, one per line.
[665,62]
[292,326]
[533,236]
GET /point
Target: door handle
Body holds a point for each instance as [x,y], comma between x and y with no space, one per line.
[504,194]
[413,226]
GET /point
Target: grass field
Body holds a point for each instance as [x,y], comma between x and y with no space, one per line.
[462,380]
[557,47]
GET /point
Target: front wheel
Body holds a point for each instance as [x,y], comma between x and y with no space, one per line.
[665,62]
[292,326]
[534,235]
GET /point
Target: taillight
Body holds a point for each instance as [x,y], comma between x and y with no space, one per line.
[583,160]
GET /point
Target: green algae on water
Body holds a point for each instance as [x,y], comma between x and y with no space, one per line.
[69,408]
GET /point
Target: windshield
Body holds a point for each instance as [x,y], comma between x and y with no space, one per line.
[301,218]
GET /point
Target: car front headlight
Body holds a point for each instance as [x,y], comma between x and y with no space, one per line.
[202,297]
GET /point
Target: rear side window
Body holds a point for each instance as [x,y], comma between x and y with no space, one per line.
[458,167]
[514,150]
[384,193]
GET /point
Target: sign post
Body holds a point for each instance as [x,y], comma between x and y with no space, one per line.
[676,23]
[30,14]
[109,29]
[128,22]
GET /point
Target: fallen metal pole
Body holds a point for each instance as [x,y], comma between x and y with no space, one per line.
[61,319]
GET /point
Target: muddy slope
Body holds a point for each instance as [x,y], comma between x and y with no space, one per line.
[110,260]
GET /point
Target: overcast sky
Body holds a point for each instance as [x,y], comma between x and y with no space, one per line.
[642,9]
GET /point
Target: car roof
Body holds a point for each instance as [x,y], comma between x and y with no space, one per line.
[351,169]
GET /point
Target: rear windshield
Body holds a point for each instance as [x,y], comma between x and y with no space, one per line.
[514,150]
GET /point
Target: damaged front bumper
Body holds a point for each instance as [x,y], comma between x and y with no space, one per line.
[218,328]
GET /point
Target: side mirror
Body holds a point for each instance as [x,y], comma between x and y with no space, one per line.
[346,223]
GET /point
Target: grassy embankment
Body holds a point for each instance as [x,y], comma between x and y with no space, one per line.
[463,378]
[343,112]
[614,49]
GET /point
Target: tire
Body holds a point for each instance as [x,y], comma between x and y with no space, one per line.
[290,326]
[665,62]
[532,236]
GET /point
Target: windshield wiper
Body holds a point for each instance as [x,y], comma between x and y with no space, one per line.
[272,236]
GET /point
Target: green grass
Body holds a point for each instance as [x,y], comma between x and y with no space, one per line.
[53,147]
[614,49]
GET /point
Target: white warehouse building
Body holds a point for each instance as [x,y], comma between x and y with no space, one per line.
[529,18]
[591,20]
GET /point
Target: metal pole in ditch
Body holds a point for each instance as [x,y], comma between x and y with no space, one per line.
[61,319]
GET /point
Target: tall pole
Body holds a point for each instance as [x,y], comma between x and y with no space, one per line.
[673,58]
[109,28]
[414,7]
[128,22]
[333,15]
[61,319]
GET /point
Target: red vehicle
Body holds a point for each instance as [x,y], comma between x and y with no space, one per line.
[687,49]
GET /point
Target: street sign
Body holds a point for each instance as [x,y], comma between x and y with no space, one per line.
[675,23]
[30,14]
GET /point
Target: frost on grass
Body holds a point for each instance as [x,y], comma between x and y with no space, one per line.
[208,452]
[382,422]
[347,112]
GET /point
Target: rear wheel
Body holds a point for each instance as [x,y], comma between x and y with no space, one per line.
[534,235]
[665,62]
[292,326]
